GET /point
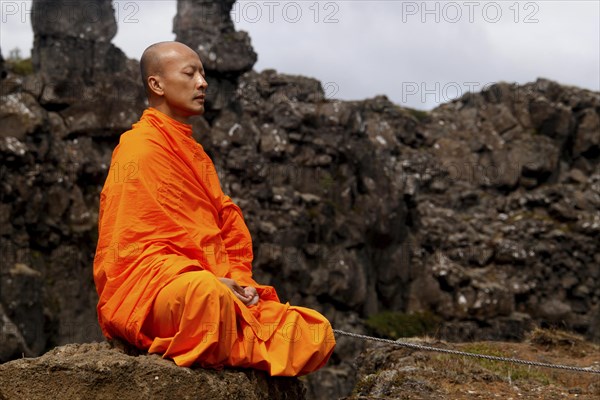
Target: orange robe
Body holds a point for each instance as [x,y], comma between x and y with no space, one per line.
[166,233]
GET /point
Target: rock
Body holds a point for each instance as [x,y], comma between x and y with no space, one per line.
[328,383]
[594,328]
[273,141]
[207,27]
[346,280]
[21,291]
[93,21]
[12,345]
[76,63]
[392,372]
[555,311]
[3,72]
[553,120]
[99,371]
[72,46]
[280,87]
[587,138]
[21,115]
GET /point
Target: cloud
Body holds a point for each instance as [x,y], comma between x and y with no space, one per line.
[142,23]
[366,48]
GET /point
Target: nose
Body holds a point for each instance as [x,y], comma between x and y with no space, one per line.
[201,82]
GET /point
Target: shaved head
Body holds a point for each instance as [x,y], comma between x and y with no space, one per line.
[150,63]
[174,80]
[154,56]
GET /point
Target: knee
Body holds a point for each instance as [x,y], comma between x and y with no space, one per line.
[206,285]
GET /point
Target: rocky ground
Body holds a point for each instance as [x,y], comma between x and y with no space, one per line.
[388,372]
[103,372]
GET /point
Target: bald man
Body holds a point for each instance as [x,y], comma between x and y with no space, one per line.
[173,267]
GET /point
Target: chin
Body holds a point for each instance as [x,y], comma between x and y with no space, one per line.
[197,111]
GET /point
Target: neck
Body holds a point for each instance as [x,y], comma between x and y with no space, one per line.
[163,108]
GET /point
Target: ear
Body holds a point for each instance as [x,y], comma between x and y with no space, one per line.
[155,85]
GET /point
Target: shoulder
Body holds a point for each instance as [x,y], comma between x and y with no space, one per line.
[143,154]
[142,141]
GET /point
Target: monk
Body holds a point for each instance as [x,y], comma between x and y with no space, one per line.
[173,266]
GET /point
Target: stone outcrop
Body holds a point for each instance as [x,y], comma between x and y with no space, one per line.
[99,371]
[2,71]
[469,212]
[509,215]
[77,67]
[206,27]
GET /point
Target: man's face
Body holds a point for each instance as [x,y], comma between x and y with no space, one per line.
[183,82]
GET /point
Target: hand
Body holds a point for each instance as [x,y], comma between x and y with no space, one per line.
[247,295]
[253,294]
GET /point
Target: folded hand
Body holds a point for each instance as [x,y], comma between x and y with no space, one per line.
[248,295]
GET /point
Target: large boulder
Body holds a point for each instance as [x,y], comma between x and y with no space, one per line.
[77,66]
[20,115]
[100,371]
[207,27]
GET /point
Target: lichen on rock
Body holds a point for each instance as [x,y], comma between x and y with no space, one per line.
[101,371]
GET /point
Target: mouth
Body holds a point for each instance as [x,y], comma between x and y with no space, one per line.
[200,97]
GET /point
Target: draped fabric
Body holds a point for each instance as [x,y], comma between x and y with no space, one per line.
[166,232]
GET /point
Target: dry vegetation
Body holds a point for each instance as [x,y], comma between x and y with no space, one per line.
[388,373]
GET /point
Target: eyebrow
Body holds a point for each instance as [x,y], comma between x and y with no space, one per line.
[194,66]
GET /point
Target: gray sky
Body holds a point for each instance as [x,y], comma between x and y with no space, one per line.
[417,53]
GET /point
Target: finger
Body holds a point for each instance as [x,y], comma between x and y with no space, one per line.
[243,299]
[238,289]
[253,301]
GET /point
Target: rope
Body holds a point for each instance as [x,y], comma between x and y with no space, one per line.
[464,353]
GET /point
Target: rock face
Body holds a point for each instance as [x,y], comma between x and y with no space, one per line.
[206,27]
[2,71]
[77,66]
[97,371]
[509,214]
[13,343]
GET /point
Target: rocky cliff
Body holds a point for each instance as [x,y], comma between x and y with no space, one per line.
[481,216]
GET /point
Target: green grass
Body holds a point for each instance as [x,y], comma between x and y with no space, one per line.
[513,372]
[394,325]
[420,115]
[20,66]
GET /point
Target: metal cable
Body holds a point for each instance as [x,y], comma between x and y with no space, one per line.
[464,353]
